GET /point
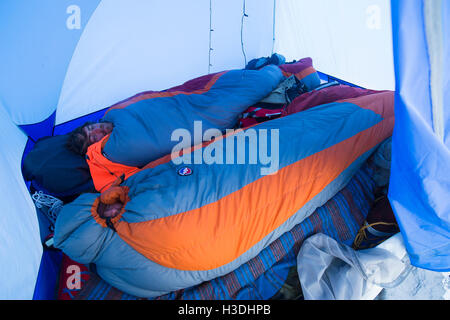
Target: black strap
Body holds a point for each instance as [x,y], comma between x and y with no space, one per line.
[110,224]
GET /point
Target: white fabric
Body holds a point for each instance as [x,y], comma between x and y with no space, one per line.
[329,270]
[154,45]
[20,249]
[420,284]
[126,49]
[348,39]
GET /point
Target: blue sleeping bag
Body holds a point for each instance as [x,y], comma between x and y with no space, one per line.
[143,125]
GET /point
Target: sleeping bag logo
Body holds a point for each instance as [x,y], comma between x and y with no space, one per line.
[185,171]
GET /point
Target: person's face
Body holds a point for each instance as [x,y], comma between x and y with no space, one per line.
[96,131]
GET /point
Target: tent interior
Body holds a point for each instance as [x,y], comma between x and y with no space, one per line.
[66,62]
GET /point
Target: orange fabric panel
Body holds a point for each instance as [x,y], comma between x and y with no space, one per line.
[218,233]
[140,97]
[375,102]
[300,75]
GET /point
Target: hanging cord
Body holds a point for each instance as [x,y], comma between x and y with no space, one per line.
[242,37]
[210,30]
[54,205]
[273,25]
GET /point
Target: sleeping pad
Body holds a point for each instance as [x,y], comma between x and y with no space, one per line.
[183,224]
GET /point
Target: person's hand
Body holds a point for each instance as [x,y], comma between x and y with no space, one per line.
[111,201]
[114,194]
[112,210]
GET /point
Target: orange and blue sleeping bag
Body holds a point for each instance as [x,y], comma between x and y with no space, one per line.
[144,123]
[185,222]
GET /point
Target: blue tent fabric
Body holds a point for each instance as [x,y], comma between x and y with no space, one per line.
[47,281]
[420,181]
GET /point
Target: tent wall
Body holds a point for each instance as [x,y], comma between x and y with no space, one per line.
[89,54]
[154,45]
[70,58]
[420,181]
[37,44]
[349,39]
[21,249]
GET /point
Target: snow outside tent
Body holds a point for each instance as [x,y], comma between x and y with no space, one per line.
[61,60]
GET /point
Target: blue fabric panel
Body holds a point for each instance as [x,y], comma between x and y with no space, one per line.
[420,182]
[47,280]
[41,129]
[311,81]
[329,78]
[154,120]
